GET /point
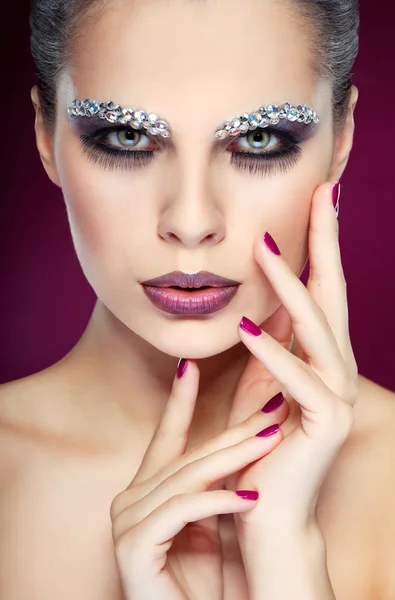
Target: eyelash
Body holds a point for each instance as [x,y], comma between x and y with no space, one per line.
[264,163]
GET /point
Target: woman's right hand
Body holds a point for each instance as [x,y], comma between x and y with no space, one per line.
[165,524]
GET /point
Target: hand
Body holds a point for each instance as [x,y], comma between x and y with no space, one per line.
[164,524]
[319,380]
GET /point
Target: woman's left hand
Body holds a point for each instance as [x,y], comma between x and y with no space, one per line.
[319,380]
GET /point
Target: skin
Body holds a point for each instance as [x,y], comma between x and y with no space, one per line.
[189,210]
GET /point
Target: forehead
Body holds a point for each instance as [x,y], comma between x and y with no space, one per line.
[203,59]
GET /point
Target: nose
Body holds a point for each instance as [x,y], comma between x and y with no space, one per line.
[192,218]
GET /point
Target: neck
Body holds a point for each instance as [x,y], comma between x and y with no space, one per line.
[132,379]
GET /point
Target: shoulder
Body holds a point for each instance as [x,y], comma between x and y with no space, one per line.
[358,496]
[374,477]
[27,413]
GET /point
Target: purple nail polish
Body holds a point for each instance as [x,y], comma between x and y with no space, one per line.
[273,404]
[248,494]
[271,244]
[269,431]
[250,327]
[336,194]
[182,367]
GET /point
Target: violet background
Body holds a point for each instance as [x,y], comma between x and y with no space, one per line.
[45,301]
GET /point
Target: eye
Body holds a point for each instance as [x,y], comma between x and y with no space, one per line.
[127,138]
[258,139]
[265,152]
[118,148]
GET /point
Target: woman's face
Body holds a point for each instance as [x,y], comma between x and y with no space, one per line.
[190,208]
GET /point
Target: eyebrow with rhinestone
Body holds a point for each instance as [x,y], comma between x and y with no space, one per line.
[266,116]
[140,119]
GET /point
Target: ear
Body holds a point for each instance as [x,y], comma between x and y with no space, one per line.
[344,140]
[44,140]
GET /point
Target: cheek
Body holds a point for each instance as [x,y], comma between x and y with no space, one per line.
[108,215]
[280,205]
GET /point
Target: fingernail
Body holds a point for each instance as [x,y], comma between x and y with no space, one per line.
[269,431]
[250,327]
[182,367]
[248,494]
[274,403]
[271,244]
[336,194]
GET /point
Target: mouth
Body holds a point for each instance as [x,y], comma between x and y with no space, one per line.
[186,294]
[180,280]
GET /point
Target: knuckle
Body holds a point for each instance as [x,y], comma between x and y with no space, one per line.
[117,506]
[128,547]
[176,503]
[343,419]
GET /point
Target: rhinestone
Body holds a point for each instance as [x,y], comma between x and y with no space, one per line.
[272,111]
[227,125]
[140,116]
[127,112]
[301,118]
[152,118]
[243,118]
[162,125]
[263,110]
[221,134]
[112,117]
[102,115]
[93,107]
[293,114]
[103,106]
[315,117]
[287,106]
[255,119]
[300,108]
[165,133]
[236,123]
[234,131]
[78,103]
[282,114]
[154,130]
[111,106]
[274,120]
[265,122]
[243,127]
[136,124]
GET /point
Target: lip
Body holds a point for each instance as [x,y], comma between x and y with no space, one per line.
[190,280]
[182,302]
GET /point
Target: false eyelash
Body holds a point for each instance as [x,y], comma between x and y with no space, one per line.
[109,158]
[266,163]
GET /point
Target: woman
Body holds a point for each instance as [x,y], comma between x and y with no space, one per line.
[199,137]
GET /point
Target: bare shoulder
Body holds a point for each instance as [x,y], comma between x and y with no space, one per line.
[30,415]
[375,403]
[356,508]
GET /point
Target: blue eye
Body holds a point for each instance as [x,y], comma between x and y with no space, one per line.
[260,151]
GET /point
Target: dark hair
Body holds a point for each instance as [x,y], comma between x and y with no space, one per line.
[331,27]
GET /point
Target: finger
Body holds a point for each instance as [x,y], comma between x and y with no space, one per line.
[298,378]
[147,539]
[171,435]
[256,385]
[195,476]
[326,281]
[310,326]
[244,431]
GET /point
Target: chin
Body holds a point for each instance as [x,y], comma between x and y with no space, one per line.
[191,339]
